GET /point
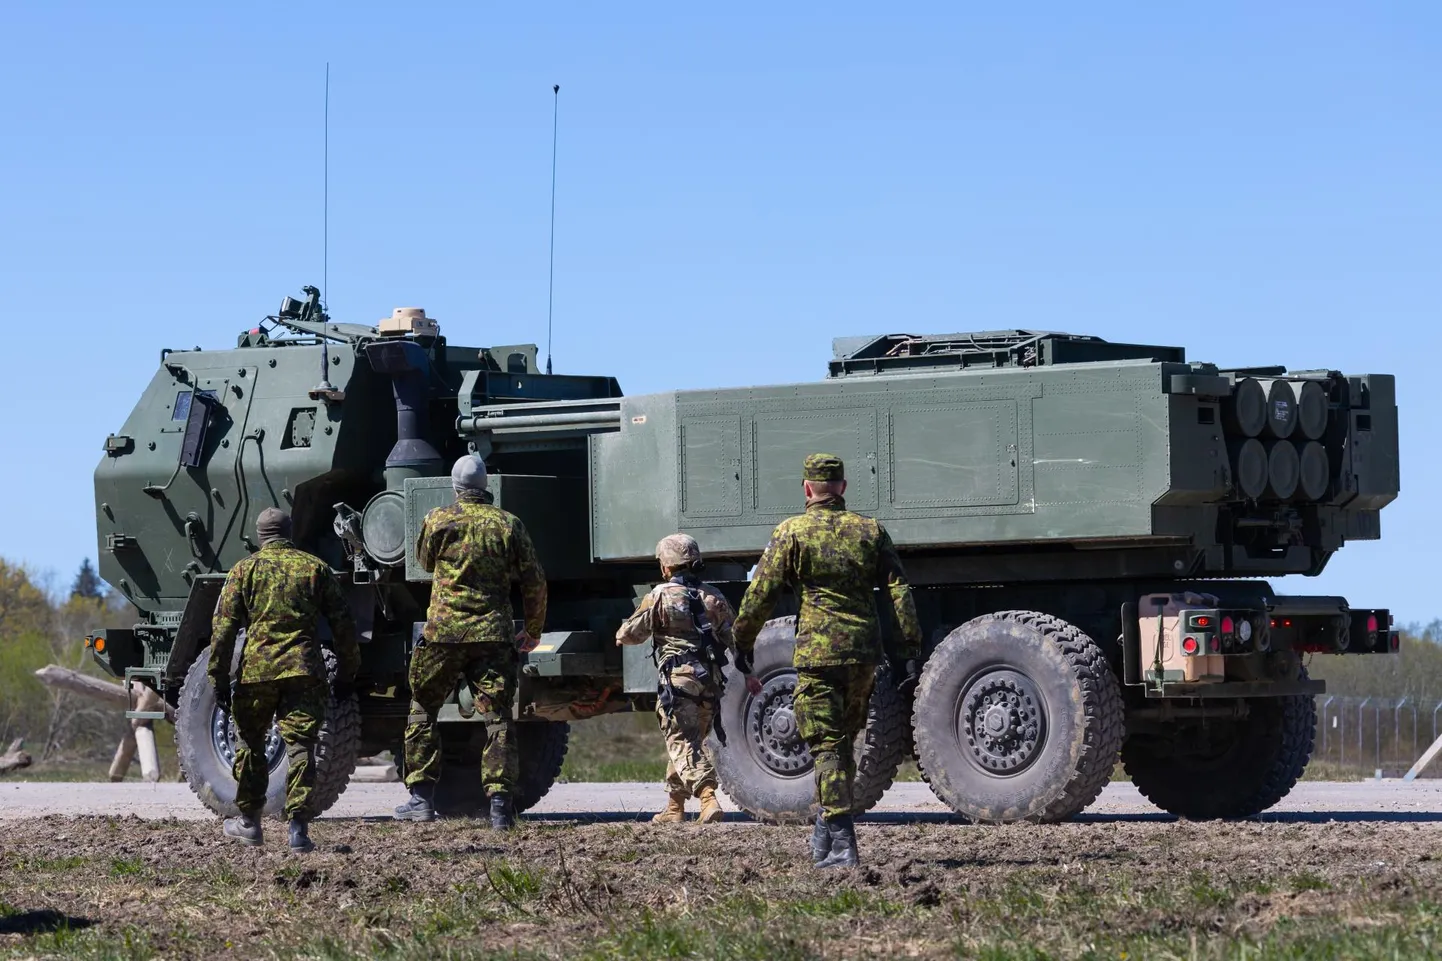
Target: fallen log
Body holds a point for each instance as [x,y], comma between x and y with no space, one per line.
[140,742]
[14,758]
[375,773]
[63,677]
[124,755]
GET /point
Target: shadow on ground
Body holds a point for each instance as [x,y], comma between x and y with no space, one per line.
[41,922]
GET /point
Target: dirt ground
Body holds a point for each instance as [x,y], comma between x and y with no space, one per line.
[127,888]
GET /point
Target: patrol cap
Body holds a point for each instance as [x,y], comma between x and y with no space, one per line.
[272,524]
[469,474]
[824,467]
[678,550]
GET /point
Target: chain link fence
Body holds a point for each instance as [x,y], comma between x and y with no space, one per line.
[1371,734]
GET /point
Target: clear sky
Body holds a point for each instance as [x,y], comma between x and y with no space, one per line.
[1258,182]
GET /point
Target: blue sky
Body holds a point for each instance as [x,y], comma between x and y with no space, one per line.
[1257,182]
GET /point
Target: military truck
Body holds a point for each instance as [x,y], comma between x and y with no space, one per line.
[1089,528]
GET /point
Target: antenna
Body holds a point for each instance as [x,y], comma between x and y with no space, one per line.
[551,284]
[325,202]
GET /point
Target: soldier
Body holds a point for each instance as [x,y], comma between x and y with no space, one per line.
[278,595]
[476,551]
[690,623]
[834,560]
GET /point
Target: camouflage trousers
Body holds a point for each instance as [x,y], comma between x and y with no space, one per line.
[685,727]
[435,673]
[297,704]
[830,705]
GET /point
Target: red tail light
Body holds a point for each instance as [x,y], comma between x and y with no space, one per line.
[1227,625]
[1371,623]
[1189,645]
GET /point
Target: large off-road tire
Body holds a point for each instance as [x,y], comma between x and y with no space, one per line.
[205,744]
[541,746]
[1018,717]
[766,769]
[1227,768]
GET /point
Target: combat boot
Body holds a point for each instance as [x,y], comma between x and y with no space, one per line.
[675,811]
[710,807]
[841,833]
[300,842]
[420,807]
[503,814]
[245,829]
[820,839]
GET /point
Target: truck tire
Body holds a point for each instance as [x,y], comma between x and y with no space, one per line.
[766,769]
[541,746]
[205,745]
[1248,765]
[1018,717]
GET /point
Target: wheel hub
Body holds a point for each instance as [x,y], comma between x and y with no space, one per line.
[1002,721]
[771,729]
[225,737]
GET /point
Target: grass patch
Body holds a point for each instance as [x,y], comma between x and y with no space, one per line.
[616,747]
[1073,892]
[126,867]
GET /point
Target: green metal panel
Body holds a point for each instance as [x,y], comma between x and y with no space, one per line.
[782,438]
[710,454]
[635,482]
[954,455]
[423,495]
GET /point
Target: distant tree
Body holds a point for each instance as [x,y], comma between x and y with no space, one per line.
[87,582]
[23,606]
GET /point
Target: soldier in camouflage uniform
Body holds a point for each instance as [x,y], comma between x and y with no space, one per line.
[690,623]
[835,560]
[476,551]
[278,594]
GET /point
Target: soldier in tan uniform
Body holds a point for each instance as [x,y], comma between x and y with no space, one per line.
[690,623]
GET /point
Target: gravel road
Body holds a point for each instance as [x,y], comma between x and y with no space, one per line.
[1361,801]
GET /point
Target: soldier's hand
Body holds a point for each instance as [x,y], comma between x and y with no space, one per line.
[908,675]
[753,685]
[222,695]
[526,643]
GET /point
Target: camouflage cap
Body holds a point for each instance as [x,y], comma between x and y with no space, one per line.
[678,550]
[272,524]
[824,467]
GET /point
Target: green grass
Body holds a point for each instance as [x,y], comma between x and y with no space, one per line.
[616,747]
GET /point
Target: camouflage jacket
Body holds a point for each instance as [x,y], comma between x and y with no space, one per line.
[476,551]
[279,594]
[834,560]
[665,616]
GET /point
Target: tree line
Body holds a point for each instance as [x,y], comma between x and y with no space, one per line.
[38,626]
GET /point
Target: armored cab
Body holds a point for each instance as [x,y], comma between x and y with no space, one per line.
[1086,525]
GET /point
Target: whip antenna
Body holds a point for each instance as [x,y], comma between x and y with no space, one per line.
[325,201]
[551,284]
